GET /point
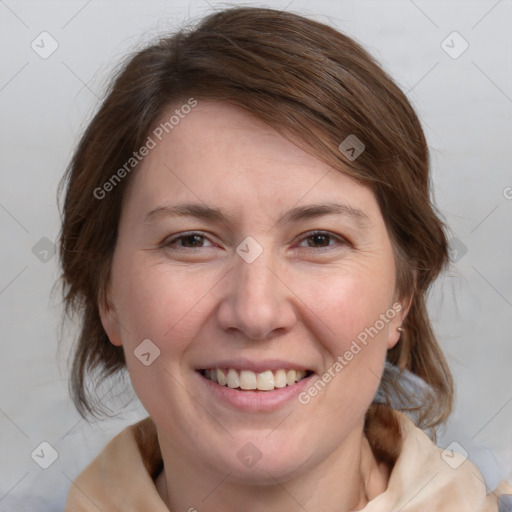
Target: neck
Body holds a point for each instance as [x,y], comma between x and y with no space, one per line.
[347,480]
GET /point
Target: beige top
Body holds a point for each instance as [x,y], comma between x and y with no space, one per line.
[121,477]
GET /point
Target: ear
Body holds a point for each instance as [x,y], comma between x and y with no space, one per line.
[398,320]
[110,322]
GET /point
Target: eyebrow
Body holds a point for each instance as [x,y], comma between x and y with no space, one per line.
[219,215]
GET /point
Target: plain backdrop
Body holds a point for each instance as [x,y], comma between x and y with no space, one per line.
[464,99]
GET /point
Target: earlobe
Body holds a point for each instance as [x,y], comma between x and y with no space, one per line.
[393,337]
[396,328]
[110,322]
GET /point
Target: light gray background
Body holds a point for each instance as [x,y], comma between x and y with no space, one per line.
[465,104]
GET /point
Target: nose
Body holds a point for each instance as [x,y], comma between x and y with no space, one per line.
[256,299]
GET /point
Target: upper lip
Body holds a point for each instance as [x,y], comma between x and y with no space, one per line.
[255,366]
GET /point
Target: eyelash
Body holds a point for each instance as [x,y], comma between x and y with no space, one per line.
[169,242]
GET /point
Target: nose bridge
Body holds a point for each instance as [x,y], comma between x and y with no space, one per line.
[255,279]
[255,288]
[256,302]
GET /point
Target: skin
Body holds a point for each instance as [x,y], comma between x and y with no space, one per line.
[302,300]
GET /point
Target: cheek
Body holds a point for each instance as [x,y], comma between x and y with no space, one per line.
[160,313]
[349,303]
[354,310]
[164,305]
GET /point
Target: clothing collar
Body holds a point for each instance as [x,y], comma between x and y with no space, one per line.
[423,478]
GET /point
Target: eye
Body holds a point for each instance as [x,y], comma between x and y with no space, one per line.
[192,240]
[321,239]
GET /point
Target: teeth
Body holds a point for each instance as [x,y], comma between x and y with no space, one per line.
[265,381]
[247,379]
[221,377]
[232,379]
[280,379]
[299,375]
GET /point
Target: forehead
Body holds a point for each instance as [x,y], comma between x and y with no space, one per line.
[220,153]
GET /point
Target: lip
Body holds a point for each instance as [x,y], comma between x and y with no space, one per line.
[254,401]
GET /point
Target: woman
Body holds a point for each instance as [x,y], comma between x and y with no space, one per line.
[248,231]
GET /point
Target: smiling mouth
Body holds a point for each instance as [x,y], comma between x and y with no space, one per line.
[247,380]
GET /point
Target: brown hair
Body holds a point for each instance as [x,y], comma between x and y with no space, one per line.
[316,86]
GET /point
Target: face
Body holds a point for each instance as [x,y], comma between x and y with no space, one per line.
[243,258]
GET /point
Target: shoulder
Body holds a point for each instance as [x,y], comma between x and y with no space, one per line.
[428,478]
[123,472]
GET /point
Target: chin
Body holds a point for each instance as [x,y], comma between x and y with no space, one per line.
[257,460]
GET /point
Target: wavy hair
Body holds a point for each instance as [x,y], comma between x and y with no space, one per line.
[314,85]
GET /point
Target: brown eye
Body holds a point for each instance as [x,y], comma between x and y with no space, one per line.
[187,241]
[318,240]
[192,241]
[321,239]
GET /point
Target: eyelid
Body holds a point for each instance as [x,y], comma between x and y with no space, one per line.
[172,238]
[304,236]
[315,232]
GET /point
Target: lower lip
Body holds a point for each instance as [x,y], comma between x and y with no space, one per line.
[256,401]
